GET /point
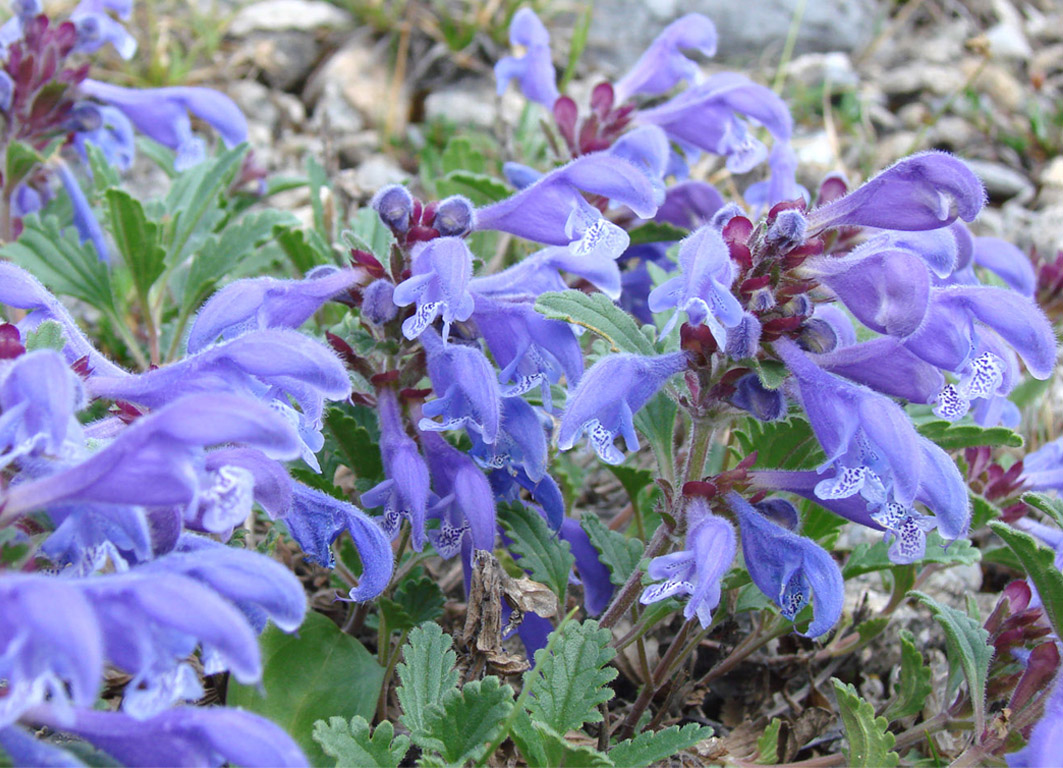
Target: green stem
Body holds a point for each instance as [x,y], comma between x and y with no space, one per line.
[393,658]
[130,340]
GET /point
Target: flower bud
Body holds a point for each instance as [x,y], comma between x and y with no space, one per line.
[454,217]
[817,336]
[378,306]
[787,231]
[752,396]
[394,205]
[744,339]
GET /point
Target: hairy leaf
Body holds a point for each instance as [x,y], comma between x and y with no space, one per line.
[351,743]
[617,552]
[651,747]
[426,673]
[543,747]
[319,673]
[1051,506]
[596,312]
[416,600]
[542,552]
[194,202]
[657,232]
[1039,564]
[788,444]
[465,720]
[913,685]
[568,684]
[968,650]
[358,447]
[47,335]
[866,558]
[870,743]
[952,437]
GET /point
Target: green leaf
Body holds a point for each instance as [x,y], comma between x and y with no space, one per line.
[543,747]
[651,747]
[567,685]
[617,552]
[633,479]
[788,444]
[915,683]
[982,510]
[425,674]
[1039,564]
[60,262]
[351,743]
[104,175]
[317,180]
[657,232]
[361,452]
[656,420]
[867,558]
[580,34]
[480,188]
[461,155]
[870,743]
[465,720]
[194,202]
[136,238]
[19,163]
[305,249]
[542,552]
[968,650]
[369,233]
[772,373]
[596,312]
[952,437]
[47,335]
[319,673]
[1050,505]
[416,601]
[768,743]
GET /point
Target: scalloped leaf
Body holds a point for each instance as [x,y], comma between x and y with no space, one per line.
[617,552]
[914,684]
[545,555]
[567,685]
[466,720]
[651,747]
[1039,563]
[351,743]
[426,673]
[870,743]
[952,436]
[596,312]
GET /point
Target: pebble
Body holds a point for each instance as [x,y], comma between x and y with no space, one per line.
[294,15]
[814,69]
[1002,182]
[376,172]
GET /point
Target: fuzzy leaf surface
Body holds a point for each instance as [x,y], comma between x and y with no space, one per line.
[870,743]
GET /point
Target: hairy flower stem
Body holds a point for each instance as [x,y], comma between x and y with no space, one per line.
[389,671]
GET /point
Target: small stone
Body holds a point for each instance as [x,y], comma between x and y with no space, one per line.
[912,79]
[376,172]
[955,133]
[1052,175]
[284,15]
[1001,181]
[284,58]
[814,69]
[1006,91]
[914,116]
[1007,41]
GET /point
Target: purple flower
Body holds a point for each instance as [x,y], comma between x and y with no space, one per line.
[697,570]
[439,285]
[111,132]
[539,273]
[466,387]
[210,736]
[663,66]
[264,302]
[155,461]
[1006,261]
[316,519]
[706,117]
[378,302]
[593,574]
[521,443]
[876,453]
[782,184]
[394,206]
[404,494]
[84,219]
[789,569]
[162,114]
[763,403]
[96,28]
[1043,469]
[18,288]
[554,211]
[924,191]
[534,70]
[39,397]
[885,365]
[530,349]
[609,395]
[271,364]
[703,287]
[463,501]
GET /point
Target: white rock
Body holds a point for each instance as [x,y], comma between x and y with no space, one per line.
[378,171]
[1008,42]
[1001,181]
[817,68]
[281,15]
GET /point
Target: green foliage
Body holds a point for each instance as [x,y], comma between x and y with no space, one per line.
[788,444]
[570,678]
[425,675]
[351,743]
[914,684]
[1039,563]
[361,452]
[416,600]
[543,554]
[656,232]
[656,420]
[319,673]
[47,335]
[369,233]
[952,436]
[465,720]
[617,552]
[543,747]
[866,558]
[651,747]
[870,743]
[19,162]
[597,313]
[968,651]
[137,239]
[194,203]
[1050,505]
[768,743]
